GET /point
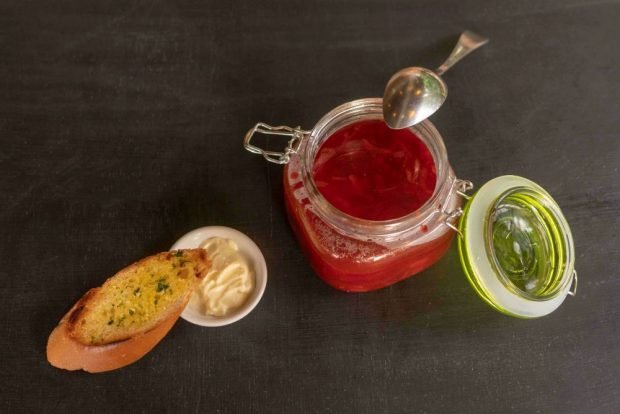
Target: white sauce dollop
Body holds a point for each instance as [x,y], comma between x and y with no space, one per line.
[228,283]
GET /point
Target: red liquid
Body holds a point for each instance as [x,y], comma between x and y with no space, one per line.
[370,171]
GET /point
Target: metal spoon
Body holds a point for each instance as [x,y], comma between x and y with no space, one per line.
[413,94]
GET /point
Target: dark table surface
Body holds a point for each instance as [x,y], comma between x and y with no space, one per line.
[121,127]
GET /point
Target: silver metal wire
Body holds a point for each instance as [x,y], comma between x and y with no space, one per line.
[276,157]
[573,289]
[452,216]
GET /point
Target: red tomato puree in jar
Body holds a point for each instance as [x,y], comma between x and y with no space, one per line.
[371,172]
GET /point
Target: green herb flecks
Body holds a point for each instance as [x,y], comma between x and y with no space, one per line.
[162,285]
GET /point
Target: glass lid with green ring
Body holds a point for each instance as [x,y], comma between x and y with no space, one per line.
[516,248]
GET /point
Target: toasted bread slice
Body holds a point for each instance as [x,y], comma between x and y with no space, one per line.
[137,298]
[129,314]
[67,353]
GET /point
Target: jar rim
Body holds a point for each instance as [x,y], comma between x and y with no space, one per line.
[364,109]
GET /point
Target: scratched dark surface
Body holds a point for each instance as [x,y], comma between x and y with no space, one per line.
[121,127]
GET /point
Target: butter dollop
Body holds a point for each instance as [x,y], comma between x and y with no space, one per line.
[228,283]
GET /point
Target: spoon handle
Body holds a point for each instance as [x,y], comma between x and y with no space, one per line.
[468,42]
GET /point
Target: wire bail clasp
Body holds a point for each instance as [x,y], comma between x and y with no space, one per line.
[296,134]
[573,289]
[462,186]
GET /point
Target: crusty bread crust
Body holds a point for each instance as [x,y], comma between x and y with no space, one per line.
[66,352]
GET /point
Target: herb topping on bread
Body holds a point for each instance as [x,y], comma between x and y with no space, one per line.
[137,298]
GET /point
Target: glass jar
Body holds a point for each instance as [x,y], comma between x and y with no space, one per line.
[358,255]
[354,254]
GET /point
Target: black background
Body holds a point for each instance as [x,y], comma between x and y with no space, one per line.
[121,127]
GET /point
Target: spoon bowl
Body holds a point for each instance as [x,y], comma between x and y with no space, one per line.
[413,94]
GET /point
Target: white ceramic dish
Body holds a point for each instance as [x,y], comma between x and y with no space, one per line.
[249,250]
